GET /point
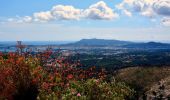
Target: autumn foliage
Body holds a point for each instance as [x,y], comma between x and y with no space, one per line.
[49,76]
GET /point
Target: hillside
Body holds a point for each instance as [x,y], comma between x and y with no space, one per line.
[149,45]
[48,76]
[147,81]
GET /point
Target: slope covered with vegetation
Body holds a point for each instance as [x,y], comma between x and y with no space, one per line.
[48,76]
[146,81]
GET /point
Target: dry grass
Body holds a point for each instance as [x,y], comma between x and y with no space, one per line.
[142,78]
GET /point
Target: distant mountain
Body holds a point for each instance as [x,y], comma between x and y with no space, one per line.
[99,42]
[148,45]
[92,43]
[118,43]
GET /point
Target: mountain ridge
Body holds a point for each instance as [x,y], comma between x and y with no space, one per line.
[118,43]
[99,42]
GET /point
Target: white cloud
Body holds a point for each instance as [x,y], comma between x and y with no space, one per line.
[166,21]
[127,13]
[148,13]
[43,16]
[58,12]
[148,8]
[154,9]
[100,11]
[143,7]
[61,12]
[162,7]
[19,19]
[27,19]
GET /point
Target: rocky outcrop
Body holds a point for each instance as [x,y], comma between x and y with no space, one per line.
[159,91]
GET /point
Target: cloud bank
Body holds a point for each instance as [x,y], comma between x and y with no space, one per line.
[154,9]
[98,11]
[148,8]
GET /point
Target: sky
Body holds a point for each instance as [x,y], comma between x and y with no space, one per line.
[72,20]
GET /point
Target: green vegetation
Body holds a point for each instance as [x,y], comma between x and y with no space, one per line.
[117,59]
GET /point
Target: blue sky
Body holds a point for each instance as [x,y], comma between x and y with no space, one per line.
[71,20]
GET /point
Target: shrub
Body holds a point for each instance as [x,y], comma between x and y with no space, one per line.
[46,76]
